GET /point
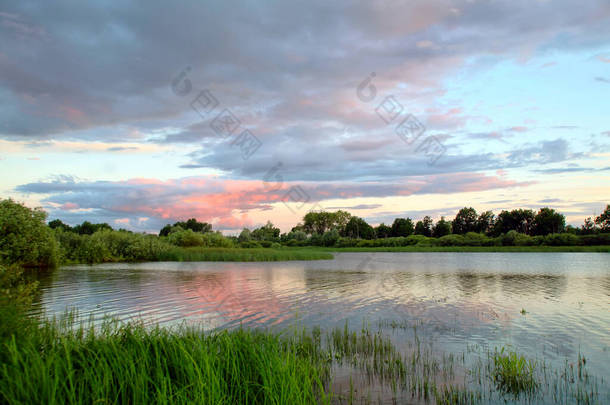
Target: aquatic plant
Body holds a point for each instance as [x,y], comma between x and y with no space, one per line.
[513,373]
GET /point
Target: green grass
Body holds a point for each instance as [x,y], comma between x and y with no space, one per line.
[131,364]
[513,373]
[541,249]
[64,362]
[196,254]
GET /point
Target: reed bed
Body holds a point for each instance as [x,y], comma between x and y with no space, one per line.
[77,363]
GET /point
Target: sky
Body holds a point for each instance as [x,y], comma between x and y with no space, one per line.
[145,113]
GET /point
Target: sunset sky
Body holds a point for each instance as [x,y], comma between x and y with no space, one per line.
[114,112]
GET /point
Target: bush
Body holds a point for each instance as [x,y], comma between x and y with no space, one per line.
[25,239]
[451,240]
[250,244]
[346,242]
[186,238]
[330,237]
[561,239]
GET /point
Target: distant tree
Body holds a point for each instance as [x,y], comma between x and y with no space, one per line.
[465,221]
[588,227]
[267,232]
[441,228]
[519,220]
[245,235]
[56,223]
[320,222]
[485,222]
[548,221]
[603,221]
[192,224]
[424,227]
[87,228]
[165,230]
[357,228]
[383,231]
[402,227]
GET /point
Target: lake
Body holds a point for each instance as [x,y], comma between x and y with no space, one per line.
[551,306]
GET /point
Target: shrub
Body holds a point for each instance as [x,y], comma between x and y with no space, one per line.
[250,244]
[561,239]
[25,239]
[451,240]
[330,237]
[186,238]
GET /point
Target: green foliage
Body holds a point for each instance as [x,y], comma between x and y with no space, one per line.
[254,253]
[603,220]
[25,239]
[548,221]
[358,228]
[192,224]
[59,364]
[320,222]
[513,373]
[402,227]
[330,237]
[465,221]
[516,220]
[268,232]
[383,231]
[441,228]
[424,227]
[561,239]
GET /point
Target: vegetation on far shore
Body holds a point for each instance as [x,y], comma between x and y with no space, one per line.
[25,238]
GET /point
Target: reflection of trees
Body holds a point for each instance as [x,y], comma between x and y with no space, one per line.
[533,284]
[338,281]
[470,283]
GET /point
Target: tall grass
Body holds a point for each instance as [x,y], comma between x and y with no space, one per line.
[62,362]
[241,255]
[130,364]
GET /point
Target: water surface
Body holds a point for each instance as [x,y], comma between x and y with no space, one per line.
[458,300]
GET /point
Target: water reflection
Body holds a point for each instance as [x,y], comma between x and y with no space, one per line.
[455,298]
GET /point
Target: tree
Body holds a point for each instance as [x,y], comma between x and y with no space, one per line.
[603,221]
[424,227]
[56,223]
[485,222]
[402,227]
[267,232]
[516,220]
[192,224]
[548,221]
[383,231]
[245,235]
[320,222]
[588,227]
[357,228]
[441,228]
[465,221]
[25,238]
[88,228]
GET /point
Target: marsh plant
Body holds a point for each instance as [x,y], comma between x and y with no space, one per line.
[513,373]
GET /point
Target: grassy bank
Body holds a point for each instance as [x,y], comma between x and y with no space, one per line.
[195,254]
[541,249]
[59,363]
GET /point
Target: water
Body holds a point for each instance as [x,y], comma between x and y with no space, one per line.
[459,301]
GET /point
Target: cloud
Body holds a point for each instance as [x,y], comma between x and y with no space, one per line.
[227,203]
[602,79]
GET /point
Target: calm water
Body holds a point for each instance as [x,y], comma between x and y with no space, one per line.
[457,299]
